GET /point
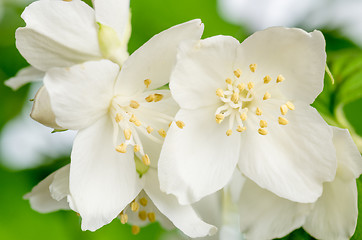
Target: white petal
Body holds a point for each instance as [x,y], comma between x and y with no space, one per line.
[183,217]
[81,94]
[156,58]
[59,188]
[334,216]
[102,181]
[58,34]
[292,160]
[299,56]
[24,76]
[347,151]
[199,159]
[42,111]
[40,197]
[263,215]
[202,67]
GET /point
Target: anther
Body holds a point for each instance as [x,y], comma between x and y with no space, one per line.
[122,148]
[235,97]
[241,86]
[150,98]
[290,105]
[133,118]
[118,117]
[147,82]
[162,132]
[134,206]
[229,81]
[142,215]
[136,148]
[258,111]
[266,96]
[134,104]
[169,125]
[158,97]
[127,133]
[283,121]
[135,229]
[229,132]
[151,217]
[146,160]
[250,85]
[283,109]
[143,202]
[267,79]
[252,67]
[219,117]
[280,78]
[149,129]
[124,218]
[180,124]
[243,116]
[241,129]
[263,124]
[237,73]
[262,131]
[137,123]
[219,92]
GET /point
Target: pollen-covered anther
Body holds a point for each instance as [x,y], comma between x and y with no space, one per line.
[229,81]
[122,148]
[250,85]
[146,160]
[142,215]
[133,118]
[263,124]
[266,96]
[162,132]
[150,98]
[219,117]
[252,67]
[124,218]
[118,117]
[143,201]
[127,133]
[136,148]
[147,82]
[267,79]
[134,104]
[149,129]
[169,125]
[134,206]
[180,124]
[258,111]
[235,97]
[284,109]
[243,116]
[219,92]
[280,79]
[158,97]
[290,105]
[241,86]
[241,129]
[283,121]
[135,230]
[151,217]
[262,131]
[237,73]
[229,132]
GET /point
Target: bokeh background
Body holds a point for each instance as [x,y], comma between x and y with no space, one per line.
[29,152]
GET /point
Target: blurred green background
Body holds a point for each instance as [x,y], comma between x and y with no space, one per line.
[19,221]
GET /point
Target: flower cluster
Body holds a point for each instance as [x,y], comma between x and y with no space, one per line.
[237,118]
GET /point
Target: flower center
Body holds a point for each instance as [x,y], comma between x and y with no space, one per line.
[242,97]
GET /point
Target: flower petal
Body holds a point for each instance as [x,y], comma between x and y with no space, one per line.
[58,34]
[183,217]
[334,216]
[156,58]
[102,181]
[81,94]
[24,76]
[40,197]
[199,159]
[299,56]
[201,69]
[263,215]
[292,160]
[59,188]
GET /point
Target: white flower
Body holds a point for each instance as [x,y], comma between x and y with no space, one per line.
[333,216]
[248,106]
[118,114]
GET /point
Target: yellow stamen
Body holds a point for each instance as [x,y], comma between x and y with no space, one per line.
[263,124]
[134,104]
[67,0]
[290,105]
[143,202]
[280,79]
[169,125]
[147,82]
[137,123]
[267,79]
[243,116]
[235,97]
[142,215]
[258,111]
[241,86]
[252,67]
[135,229]
[151,217]
[237,73]
[150,98]
[127,133]
[136,148]
[180,124]
[124,218]
[162,132]
[219,92]
[262,131]
[219,117]
[133,118]
[250,85]
[122,148]
[266,96]
[134,206]
[241,129]
[146,160]
[283,121]
[149,129]
[118,117]
[229,81]
[158,97]
[283,109]
[229,132]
